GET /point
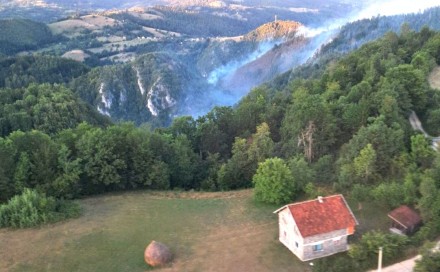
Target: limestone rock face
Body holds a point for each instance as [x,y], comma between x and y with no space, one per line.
[157,254]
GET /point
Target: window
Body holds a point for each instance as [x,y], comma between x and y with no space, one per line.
[317,247]
[296,244]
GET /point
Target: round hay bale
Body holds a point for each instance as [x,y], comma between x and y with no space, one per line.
[157,254]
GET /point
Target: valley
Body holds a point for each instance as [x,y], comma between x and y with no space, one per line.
[208,70]
[200,55]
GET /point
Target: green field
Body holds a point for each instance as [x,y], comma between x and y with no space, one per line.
[206,232]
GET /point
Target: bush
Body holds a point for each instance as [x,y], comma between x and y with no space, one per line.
[336,263]
[31,209]
[430,261]
[273,182]
[364,253]
[390,194]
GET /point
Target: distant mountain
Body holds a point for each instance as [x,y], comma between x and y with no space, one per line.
[188,76]
[308,12]
[119,4]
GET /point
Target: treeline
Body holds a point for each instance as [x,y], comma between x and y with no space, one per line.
[90,160]
[18,72]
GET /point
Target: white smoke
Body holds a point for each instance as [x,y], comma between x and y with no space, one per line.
[323,35]
[224,71]
[317,38]
[395,7]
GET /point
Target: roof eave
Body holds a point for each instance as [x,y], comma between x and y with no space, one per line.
[282,208]
[349,209]
[398,221]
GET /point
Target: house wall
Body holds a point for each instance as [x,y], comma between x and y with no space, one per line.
[332,243]
[289,234]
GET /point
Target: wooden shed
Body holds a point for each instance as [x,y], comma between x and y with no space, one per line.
[404,220]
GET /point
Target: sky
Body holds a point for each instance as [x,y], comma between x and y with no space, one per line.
[394,7]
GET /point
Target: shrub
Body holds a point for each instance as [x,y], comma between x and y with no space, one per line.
[430,261]
[273,182]
[32,208]
[365,251]
[391,194]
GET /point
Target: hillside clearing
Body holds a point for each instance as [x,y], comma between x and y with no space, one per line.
[206,232]
[220,231]
[78,55]
[434,78]
[71,27]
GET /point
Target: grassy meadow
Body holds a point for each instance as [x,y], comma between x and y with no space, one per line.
[205,231]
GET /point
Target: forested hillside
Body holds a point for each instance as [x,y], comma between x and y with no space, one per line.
[360,104]
[47,108]
[354,34]
[17,35]
[17,72]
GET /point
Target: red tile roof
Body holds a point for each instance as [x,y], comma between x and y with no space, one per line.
[314,217]
[405,216]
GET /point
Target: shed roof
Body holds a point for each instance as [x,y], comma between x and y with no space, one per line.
[322,215]
[405,216]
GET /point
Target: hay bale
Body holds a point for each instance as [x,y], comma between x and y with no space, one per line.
[157,254]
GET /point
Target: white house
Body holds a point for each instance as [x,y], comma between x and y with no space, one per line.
[316,228]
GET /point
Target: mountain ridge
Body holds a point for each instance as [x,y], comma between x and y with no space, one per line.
[277,29]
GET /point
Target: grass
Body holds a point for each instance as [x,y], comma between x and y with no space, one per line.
[220,232]
[372,216]
[205,231]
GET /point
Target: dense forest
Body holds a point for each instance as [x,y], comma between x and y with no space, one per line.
[346,128]
[20,34]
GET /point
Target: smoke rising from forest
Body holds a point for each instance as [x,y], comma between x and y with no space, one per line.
[395,7]
[219,73]
[317,36]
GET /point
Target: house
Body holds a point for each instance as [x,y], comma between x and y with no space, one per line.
[316,228]
[404,220]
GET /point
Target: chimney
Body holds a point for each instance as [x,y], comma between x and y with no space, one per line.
[320,199]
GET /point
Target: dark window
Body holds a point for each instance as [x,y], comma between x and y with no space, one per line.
[317,247]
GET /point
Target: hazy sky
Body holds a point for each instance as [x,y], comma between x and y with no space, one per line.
[393,7]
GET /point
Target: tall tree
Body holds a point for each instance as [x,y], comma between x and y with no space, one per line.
[365,163]
[273,182]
